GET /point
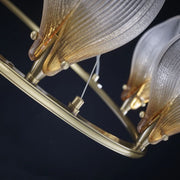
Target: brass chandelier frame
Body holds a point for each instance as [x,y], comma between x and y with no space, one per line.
[10,72]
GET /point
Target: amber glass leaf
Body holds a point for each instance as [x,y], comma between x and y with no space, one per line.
[145,56]
[89,28]
[168,124]
[164,90]
[54,17]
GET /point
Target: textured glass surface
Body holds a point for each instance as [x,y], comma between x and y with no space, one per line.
[164,95]
[145,57]
[81,29]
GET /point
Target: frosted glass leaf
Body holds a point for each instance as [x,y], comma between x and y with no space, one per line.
[91,28]
[145,58]
[164,92]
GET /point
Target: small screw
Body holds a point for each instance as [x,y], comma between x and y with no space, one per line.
[99,86]
[34,35]
[124,87]
[95,77]
[165,137]
[142,114]
[143,105]
[64,65]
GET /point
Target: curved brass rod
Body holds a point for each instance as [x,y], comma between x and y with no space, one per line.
[20,14]
[35,92]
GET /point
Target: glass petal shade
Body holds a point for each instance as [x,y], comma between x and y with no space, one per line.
[164,101]
[81,29]
[145,58]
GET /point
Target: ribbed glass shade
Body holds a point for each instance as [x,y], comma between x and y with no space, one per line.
[164,95]
[145,57]
[81,29]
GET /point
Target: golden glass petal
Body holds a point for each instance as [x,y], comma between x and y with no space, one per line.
[168,124]
[164,89]
[54,17]
[145,58]
[91,28]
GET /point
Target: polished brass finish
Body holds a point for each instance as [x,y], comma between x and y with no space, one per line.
[76,105]
[34,35]
[126,106]
[20,15]
[65,65]
[36,74]
[95,77]
[142,114]
[142,141]
[57,108]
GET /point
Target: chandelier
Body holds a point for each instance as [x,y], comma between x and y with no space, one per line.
[72,31]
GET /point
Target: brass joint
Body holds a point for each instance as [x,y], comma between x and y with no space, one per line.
[76,105]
